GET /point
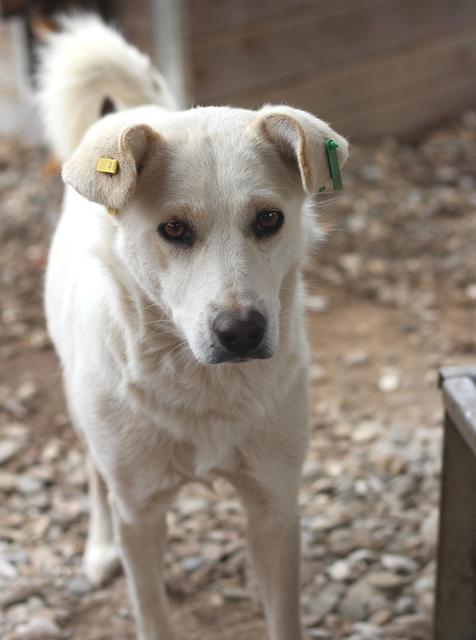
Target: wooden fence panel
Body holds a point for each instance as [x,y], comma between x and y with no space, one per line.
[310,40]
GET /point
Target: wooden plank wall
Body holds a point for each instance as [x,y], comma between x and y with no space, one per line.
[371,67]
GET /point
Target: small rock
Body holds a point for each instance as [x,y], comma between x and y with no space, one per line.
[367,431]
[311,469]
[39,629]
[405,605]
[426,602]
[7,481]
[326,601]
[399,564]
[351,263]
[17,431]
[191,563]
[318,373]
[319,634]
[9,449]
[7,569]
[29,484]
[339,571]
[317,304]
[447,174]
[372,172]
[191,504]
[471,292]
[341,541]
[387,581]
[381,617]
[416,625]
[367,631]
[389,381]
[361,600]
[51,450]
[78,586]
[361,487]
[354,359]
[40,526]
[27,391]
[425,583]
[429,531]
[39,339]
[216,599]
[18,594]
[236,594]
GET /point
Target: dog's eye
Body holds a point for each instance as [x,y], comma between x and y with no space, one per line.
[268,222]
[176,231]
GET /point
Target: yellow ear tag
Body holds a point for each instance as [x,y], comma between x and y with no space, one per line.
[107,165]
[112,211]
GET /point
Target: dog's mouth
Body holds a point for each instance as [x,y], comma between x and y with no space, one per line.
[222,356]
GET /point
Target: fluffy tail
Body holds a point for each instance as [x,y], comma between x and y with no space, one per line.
[86,71]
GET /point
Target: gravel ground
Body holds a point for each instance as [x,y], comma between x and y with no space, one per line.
[392,296]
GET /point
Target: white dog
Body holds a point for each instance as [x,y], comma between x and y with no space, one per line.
[174,300]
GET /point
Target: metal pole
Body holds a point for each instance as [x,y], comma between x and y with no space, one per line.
[171,46]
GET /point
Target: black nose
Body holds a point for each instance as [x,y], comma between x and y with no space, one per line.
[240,331]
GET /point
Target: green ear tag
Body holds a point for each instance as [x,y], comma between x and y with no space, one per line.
[333,162]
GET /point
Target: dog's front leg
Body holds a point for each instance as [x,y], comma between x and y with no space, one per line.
[101,557]
[274,543]
[142,537]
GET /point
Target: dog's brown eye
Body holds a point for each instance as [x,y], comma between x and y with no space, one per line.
[268,222]
[176,231]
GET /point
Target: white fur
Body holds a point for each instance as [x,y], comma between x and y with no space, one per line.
[130,316]
[79,67]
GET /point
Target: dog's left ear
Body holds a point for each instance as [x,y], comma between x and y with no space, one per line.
[299,138]
[128,146]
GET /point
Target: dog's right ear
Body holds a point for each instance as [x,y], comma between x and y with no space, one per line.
[129,146]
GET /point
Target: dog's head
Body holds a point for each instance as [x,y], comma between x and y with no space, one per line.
[215,210]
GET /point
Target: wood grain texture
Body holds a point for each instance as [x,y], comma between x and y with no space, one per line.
[455,614]
[208,16]
[373,75]
[370,67]
[406,116]
[314,39]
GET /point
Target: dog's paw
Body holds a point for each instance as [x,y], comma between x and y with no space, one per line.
[101,562]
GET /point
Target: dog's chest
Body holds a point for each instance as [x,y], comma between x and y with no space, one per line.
[200,418]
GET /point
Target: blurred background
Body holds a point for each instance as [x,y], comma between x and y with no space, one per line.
[391,298]
[373,67]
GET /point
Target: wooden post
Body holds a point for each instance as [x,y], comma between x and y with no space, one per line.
[455,613]
[170,44]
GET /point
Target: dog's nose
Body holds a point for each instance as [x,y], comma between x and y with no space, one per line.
[240,332]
